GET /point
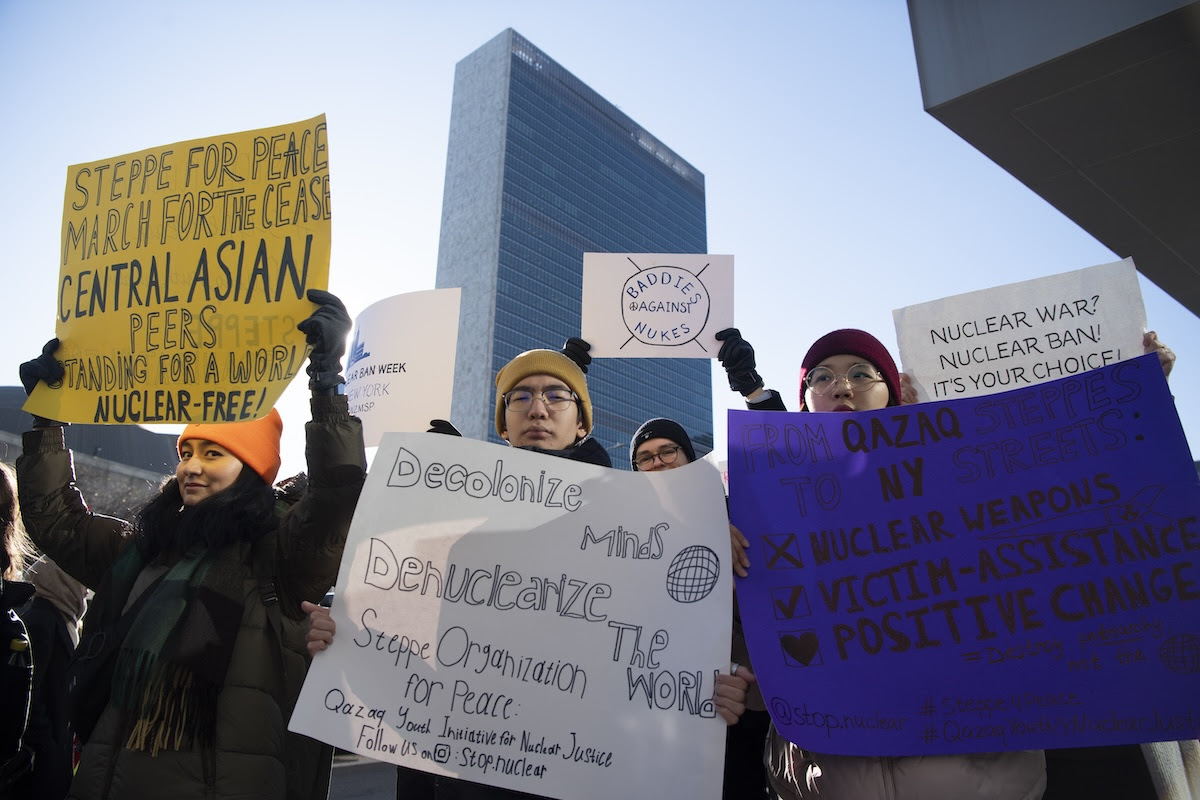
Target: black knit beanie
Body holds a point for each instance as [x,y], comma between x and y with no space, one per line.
[661,428]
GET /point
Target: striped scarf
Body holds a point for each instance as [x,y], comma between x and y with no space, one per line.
[172,664]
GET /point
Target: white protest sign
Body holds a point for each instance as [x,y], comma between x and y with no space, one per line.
[721,465]
[400,368]
[1023,333]
[655,305]
[531,622]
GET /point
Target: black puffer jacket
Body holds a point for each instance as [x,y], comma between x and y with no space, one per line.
[49,733]
[16,686]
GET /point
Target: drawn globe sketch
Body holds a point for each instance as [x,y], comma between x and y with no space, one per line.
[665,306]
[693,574]
[1181,653]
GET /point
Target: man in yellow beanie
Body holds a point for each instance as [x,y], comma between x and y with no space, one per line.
[542,403]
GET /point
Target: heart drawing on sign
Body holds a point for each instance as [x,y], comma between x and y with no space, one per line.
[802,648]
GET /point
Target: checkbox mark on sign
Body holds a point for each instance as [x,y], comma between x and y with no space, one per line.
[789,602]
[801,649]
[783,551]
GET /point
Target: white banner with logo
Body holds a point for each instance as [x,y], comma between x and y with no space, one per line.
[400,367]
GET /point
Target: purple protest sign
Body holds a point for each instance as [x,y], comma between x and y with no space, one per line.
[1015,571]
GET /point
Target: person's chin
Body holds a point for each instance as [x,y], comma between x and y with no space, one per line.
[193,494]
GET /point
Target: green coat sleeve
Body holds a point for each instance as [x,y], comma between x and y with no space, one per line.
[313,532]
[83,544]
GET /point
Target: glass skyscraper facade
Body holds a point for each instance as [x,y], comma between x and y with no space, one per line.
[540,170]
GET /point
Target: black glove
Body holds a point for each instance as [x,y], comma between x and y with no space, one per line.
[326,331]
[442,426]
[43,368]
[737,357]
[576,349]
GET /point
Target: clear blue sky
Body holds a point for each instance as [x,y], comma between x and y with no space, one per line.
[839,196]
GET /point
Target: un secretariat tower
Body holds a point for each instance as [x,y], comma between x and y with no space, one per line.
[541,169]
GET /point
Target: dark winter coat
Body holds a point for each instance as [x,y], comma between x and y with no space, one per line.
[16,686]
[248,759]
[49,733]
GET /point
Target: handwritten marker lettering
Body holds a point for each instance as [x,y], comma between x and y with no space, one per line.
[544,490]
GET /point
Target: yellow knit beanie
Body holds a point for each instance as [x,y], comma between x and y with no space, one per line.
[543,362]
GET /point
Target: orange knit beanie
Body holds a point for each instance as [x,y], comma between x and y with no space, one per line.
[255,443]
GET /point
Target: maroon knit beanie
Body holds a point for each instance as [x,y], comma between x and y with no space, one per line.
[852,341]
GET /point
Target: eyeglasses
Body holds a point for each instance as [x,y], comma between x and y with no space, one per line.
[520,400]
[666,455]
[861,377]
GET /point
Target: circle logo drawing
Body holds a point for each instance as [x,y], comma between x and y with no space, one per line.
[1181,653]
[665,306]
[693,574]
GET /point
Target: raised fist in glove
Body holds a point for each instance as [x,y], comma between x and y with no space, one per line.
[43,368]
[576,349]
[326,330]
[737,357]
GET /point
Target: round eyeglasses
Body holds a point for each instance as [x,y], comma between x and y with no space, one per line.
[860,377]
[521,400]
[666,455]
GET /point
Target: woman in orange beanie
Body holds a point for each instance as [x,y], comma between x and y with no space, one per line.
[193,648]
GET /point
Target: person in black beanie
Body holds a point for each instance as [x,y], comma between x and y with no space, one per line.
[662,444]
[658,443]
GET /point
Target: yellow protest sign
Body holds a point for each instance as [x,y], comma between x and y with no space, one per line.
[183,273]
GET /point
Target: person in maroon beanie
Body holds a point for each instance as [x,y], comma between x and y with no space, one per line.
[850,370]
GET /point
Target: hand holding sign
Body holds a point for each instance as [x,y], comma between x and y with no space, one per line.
[730,695]
[43,368]
[739,545]
[444,427]
[320,627]
[1166,356]
[576,349]
[737,357]
[326,330]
